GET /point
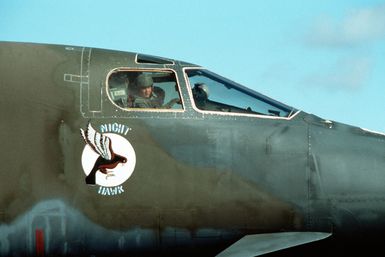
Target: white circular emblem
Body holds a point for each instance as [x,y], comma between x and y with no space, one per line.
[115,176]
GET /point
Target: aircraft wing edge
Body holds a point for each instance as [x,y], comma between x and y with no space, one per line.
[258,244]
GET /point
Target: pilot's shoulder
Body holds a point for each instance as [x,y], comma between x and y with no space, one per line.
[141,102]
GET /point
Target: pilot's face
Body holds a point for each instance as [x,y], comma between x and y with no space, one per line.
[145,92]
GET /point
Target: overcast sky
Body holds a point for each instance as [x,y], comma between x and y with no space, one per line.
[324,57]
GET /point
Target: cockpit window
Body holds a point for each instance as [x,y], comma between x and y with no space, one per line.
[144,89]
[214,93]
[149,59]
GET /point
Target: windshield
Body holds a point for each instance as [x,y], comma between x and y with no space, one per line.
[214,93]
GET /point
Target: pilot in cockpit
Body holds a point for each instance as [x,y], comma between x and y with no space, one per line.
[150,96]
[145,96]
[201,95]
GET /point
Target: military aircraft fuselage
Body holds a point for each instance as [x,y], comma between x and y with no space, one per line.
[198,170]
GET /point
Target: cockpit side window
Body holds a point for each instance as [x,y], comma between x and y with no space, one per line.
[214,93]
[144,89]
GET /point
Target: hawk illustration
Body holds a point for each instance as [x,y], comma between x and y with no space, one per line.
[101,145]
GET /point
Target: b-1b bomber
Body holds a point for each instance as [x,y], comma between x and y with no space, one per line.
[113,153]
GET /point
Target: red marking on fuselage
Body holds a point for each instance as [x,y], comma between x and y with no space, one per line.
[39,240]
